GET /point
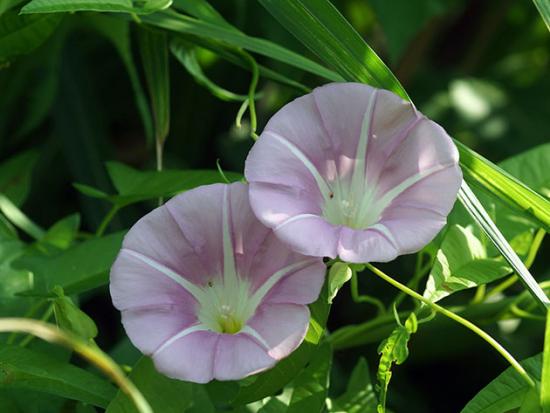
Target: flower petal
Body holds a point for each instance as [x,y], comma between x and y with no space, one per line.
[238,356]
[369,245]
[189,358]
[309,234]
[282,327]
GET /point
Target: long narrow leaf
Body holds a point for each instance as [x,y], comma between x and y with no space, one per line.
[474,207]
[321,27]
[543,7]
[187,25]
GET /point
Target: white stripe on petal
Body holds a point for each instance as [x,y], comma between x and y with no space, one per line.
[191,288]
[181,334]
[295,218]
[229,268]
[386,232]
[253,333]
[321,183]
[261,292]
[390,195]
[359,171]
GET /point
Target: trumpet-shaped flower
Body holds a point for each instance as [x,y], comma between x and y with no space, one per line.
[208,291]
[355,172]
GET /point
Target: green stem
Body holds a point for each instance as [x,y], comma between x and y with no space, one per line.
[108,218]
[490,340]
[93,354]
[45,317]
[29,314]
[252,92]
[419,272]
[159,154]
[531,255]
[358,298]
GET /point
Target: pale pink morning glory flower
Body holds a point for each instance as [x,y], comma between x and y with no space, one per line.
[208,291]
[355,172]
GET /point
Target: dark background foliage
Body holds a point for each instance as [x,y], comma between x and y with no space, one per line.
[479,68]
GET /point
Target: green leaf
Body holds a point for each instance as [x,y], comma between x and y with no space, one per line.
[461,263]
[359,396]
[15,176]
[163,394]
[80,268]
[392,350]
[63,233]
[21,368]
[543,7]
[545,384]
[22,34]
[188,25]
[71,318]
[154,56]
[309,389]
[507,392]
[339,274]
[321,27]
[123,6]
[504,186]
[19,219]
[185,54]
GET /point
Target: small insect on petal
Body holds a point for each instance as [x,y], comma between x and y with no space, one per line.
[355,172]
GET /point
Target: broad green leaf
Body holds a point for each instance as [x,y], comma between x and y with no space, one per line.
[321,27]
[118,32]
[15,176]
[21,368]
[507,392]
[163,394]
[80,268]
[543,7]
[188,25]
[339,274]
[545,382]
[185,54]
[504,186]
[135,186]
[62,234]
[22,34]
[124,6]
[309,389]
[153,47]
[71,318]
[531,168]
[359,396]
[531,402]
[393,349]
[461,263]
[8,4]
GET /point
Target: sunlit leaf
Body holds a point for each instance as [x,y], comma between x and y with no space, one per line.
[461,263]
[543,7]
[339,274]
[126,6]
[359,396]
[507,392]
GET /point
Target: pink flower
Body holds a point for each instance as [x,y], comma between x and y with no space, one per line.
[355,172]
[209,292]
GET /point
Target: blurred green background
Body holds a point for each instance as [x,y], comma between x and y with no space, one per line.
[479,68]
